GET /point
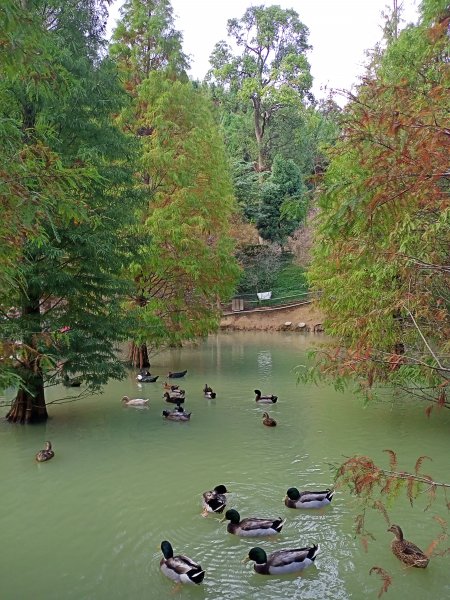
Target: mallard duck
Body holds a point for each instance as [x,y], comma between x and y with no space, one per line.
[268,421]
[176,415]
[174,398]
[147,378]
[45,454]
[173,374]
[75,382]
[169,387]
[406,551]
[266,399]
[282,561]
[296,499]
[179,568]
[134,401]
[214,501]
[252,526]
[144,373]
[208,392]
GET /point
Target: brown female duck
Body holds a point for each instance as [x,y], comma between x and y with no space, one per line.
[45,454]
[406,551]
[268,421]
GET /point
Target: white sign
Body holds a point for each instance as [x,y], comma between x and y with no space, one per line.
[264,295]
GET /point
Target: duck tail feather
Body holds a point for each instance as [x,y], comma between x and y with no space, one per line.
[314,551]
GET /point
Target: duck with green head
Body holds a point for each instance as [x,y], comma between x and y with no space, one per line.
[180,568]
[175,397]
[296,499]
[265,398]
[252,526]
[281,562]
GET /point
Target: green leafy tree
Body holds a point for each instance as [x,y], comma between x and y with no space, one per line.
[284,187]
[382,255]
[303,136]
[261,265]
[145,40]
[24,157]
[272,70]
[62,310]
[188,268]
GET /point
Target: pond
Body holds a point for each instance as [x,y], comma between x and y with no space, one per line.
[88,524]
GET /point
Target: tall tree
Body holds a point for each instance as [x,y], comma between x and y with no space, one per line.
[272,70]
[382,257]
[65,289]
[189,266]
[145,40]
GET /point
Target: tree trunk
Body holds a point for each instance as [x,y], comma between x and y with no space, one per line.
[29,404]
[27,408]
[138,356]
[259,124]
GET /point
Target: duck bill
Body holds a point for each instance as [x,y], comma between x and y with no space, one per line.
[245,560]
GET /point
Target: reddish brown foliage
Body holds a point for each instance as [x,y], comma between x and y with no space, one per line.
[392,459]
[385,577]
[419,463]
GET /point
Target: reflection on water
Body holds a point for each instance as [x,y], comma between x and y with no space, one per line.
[88,524]
[264,363]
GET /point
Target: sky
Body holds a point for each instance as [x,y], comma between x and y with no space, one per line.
[340,31]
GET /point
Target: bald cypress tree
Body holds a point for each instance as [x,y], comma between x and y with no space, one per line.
[61,306]
[188,266]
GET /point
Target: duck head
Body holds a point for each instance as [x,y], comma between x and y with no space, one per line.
[258,555]
[397,531]
[293,493]
[166,549]
[233,516]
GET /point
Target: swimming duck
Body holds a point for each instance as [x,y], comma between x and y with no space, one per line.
[406,551]
[45,454]
[252,526]
[268,421]
[75,382]
[282,561]
[134,401]
[147,378]
[208,392]
[173,374]
[176,415]
[179,568]
[267,399]
[169,387]
[174,398]
[214,501]
[296,499]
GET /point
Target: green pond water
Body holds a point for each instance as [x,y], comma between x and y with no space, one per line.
[88,524]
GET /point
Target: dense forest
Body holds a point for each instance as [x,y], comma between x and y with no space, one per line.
[136,201]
